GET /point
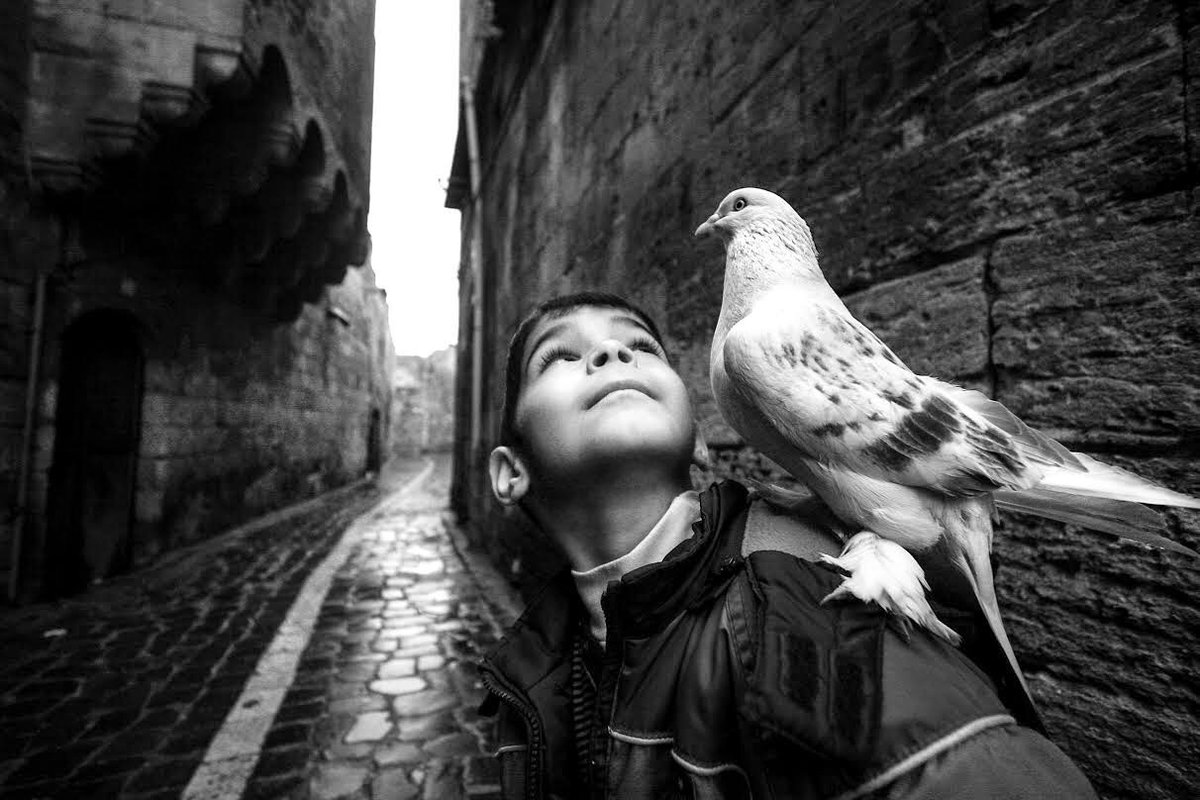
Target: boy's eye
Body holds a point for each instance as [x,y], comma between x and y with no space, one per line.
[554,354]
[647,345]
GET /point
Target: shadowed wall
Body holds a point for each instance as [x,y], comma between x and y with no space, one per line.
[198,174]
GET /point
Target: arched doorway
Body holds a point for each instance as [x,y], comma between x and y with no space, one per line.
[97,430]
[374,443]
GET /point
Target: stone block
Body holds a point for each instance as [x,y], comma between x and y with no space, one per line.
[398,753]
[935,321]
[1190,26]
[155,473]
[333,780]
[394,783]
[10,453]
[148,505]
[370,726]
[156,410]
[12,402]
[220,17]
[1096,330]
[167,441]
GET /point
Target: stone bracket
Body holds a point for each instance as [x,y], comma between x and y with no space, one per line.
[103,77]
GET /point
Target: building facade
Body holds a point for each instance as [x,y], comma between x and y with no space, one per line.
[1005,192]
[184,339]
[423,403]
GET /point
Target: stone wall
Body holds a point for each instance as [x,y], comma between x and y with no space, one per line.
[22,234]
[240,414]
[242,405]
[330,46]
[14,80]
[1004,191]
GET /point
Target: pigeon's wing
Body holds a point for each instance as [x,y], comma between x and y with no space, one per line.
[831,389]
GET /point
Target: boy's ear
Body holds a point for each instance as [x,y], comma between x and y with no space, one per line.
[510,478]
[700,454]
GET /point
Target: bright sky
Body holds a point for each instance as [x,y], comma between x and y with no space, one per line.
[414,239]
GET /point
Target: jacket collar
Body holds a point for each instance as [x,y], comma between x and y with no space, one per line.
[642,603]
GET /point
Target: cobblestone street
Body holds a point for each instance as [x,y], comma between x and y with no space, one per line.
[327,655]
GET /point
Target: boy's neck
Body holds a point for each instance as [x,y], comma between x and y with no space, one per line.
[607,519]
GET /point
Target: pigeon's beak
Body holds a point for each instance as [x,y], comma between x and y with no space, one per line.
[707,227]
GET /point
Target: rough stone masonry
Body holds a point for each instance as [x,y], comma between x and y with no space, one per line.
[1005,191]
[182,188]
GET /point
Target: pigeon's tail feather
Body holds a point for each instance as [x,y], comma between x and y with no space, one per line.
[1114,483]
[1120,518]
[779,496]
[1034,443]
[974,560]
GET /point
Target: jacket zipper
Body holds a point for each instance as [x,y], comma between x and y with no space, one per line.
[533,757]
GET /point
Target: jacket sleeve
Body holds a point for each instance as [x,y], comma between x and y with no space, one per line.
[836,701]
[1005,761]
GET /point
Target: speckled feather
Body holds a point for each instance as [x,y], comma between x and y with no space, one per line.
[837,393]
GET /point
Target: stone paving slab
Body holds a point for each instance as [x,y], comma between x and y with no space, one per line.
[118,692]
[385,698]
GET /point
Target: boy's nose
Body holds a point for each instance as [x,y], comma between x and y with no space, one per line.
[609,351]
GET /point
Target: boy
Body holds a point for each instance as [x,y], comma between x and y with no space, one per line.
[687,653]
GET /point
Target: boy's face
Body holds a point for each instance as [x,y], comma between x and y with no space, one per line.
[596,389]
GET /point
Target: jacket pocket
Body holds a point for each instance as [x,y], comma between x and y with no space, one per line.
[817,676]
[513,775]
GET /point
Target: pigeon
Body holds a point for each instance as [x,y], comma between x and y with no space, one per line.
[906,458]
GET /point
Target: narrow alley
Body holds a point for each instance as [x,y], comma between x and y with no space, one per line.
[327,654]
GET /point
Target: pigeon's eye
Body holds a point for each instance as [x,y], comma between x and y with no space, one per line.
[739,204]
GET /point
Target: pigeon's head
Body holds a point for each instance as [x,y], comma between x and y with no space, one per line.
[743,207]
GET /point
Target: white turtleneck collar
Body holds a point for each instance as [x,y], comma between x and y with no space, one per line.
[674,527]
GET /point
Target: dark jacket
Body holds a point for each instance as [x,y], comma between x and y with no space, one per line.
[723,676]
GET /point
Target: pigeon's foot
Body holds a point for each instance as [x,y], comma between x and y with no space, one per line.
[883,572]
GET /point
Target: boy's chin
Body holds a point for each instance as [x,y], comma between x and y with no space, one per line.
[634,448]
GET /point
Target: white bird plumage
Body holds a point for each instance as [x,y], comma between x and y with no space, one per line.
[917,461]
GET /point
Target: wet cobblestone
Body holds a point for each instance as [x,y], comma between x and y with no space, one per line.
[119,693]
[385,699]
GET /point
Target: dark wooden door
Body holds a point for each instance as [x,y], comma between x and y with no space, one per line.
[96,444]
[374,443]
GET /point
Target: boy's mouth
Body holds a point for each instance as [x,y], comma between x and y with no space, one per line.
[616,386]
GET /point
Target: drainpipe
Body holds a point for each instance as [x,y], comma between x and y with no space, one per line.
[468,96]
[35,354]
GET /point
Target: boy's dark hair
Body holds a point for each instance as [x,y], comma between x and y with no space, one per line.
[551,309]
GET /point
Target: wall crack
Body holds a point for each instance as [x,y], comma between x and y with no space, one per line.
[1185,75]
[991,373]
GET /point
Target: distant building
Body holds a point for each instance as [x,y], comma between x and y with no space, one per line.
[423,403]
[1006,192]
[408,408]
[183,340]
